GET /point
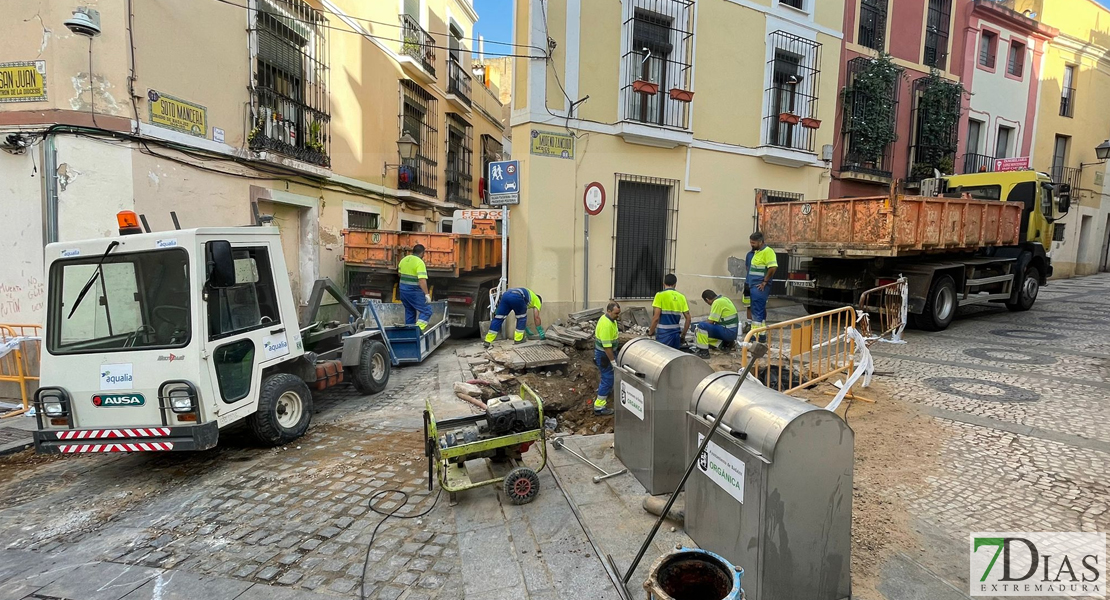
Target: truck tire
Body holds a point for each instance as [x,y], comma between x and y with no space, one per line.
[1027,294]
[371,374]
[940,305]
[284,410]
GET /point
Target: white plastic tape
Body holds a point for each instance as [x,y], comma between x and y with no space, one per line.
[865,368]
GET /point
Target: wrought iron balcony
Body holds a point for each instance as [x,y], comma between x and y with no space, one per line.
[459,187]
[418,44]
[1068,175]
[288,126]
[978,163]
[458,82]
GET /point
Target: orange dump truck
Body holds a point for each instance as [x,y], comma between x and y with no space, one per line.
[462,268]
[982,240]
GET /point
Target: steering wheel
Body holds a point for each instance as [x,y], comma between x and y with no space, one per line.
[159,313]
[134,335]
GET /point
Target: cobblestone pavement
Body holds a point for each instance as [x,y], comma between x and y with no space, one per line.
[1023,400]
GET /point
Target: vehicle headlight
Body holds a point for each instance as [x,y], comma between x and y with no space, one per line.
[53,409]
[55,402]
[182,400]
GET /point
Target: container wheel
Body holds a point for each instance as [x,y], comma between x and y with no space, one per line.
[1030,287]
[521,485]
[940,305]
[371,374]
[284,410]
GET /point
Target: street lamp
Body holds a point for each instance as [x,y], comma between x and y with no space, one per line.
[407,147]
[1102,151]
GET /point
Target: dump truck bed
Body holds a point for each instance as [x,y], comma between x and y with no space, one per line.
[889,226]
[446,253]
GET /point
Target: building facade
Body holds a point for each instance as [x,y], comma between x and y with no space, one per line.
[678,112]
[219,111]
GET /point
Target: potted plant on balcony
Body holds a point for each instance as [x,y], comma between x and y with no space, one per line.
[789,118]
[681,95]
[869,108]
[315,139]
[647,88]
[811,123]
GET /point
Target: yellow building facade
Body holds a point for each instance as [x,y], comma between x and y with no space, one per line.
[216,110]
[1071,122]
[678,112]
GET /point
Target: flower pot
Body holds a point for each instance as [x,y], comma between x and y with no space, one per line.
[811,123]
[790,118]
[645,87]
[681,95]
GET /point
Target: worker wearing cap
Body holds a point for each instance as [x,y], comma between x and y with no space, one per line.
[414,288]
[605,345]
[516,301]
[669,309]
[723,324]
[763,267]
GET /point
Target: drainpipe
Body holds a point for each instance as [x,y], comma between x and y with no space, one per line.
[49,190]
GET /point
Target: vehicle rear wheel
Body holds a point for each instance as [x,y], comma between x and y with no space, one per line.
[1030,287]
[372,372]
[284,410]
[940,305]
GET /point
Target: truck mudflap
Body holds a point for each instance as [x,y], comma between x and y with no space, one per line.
[131,439]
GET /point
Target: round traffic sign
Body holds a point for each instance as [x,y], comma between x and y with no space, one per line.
[594,198]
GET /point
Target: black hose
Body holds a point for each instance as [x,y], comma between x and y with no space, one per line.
[385,517]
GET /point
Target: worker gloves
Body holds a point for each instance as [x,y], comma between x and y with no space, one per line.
[428,298]
[539,329]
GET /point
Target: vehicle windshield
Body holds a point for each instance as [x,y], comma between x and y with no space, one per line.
[138,300]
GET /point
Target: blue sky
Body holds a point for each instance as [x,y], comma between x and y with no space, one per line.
[495,22]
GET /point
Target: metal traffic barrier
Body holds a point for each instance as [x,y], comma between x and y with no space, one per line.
[653,385]
[773,490]
[884,310]
[805,350]
[20,346]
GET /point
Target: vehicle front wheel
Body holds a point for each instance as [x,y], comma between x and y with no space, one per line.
[1030,287]
[284,410]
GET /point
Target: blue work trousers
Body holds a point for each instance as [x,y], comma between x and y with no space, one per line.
[417,309]
[759,303]
[605,366]
[511,302]
[669,337]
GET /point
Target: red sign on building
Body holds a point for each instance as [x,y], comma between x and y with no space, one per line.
[1012,164]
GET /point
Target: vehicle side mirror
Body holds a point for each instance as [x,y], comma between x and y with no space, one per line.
[221,264]
[1063,198]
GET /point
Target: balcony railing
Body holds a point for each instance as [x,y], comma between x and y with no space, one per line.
[978,163]
[643,105]
[458,81]
[288,126]
[419,175]
[459,187]
[418,44]
[1068,175]
[854,162]
[927,158]
[1067,102]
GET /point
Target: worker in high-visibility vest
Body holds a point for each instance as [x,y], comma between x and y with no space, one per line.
[722,326]
[605,347]
[414,288]
[516,301]
[762,269]
[670,307]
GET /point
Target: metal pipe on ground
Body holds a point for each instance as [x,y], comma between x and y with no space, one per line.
[561,445]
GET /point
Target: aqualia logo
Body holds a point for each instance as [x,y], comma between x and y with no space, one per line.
[71,253]
[272,348]
[170,243]
[107,377]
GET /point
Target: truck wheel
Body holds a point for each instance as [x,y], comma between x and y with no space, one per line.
[1030,287]
[372,372]
[940,305]
[284,410]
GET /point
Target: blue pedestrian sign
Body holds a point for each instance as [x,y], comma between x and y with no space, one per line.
[504,183]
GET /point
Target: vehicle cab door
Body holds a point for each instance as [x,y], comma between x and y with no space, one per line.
[243,321]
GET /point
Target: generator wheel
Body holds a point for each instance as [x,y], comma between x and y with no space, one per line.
[371,374]
[284,410]
[521,485]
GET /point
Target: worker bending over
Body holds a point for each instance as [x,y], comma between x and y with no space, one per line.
[516,301]
[414,288]
[722,326]
[605,347]
[762,269]
[670,307]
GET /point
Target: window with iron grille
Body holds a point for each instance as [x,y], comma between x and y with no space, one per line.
[290,110]
[988,48]
[418,118]
[1067,93]
[357,219]
[794,79]
[460,157]
[492,150]
[1058,232]
[660,43]
[870,116]
[798,4]
[936,118]
[872,24]
[1016,64]
[936,33]
[770,196]
[644,236]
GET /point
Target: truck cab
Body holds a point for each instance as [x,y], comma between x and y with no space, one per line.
[156,341]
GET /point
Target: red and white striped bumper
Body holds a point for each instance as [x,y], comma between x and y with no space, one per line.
[135,439]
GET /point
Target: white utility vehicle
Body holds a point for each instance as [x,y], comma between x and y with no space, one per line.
[156,341]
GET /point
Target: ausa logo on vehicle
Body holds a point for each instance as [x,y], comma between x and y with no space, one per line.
[118,400]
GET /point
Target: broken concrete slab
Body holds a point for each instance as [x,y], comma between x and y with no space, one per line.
[530,355]
[467,389]
[586,315]
[637,316]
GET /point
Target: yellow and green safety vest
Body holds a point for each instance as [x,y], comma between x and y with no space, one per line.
[412,270]
[724,312]
[672,305]
[606,333]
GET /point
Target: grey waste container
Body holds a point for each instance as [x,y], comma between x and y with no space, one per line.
[652,388]
[773,491]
